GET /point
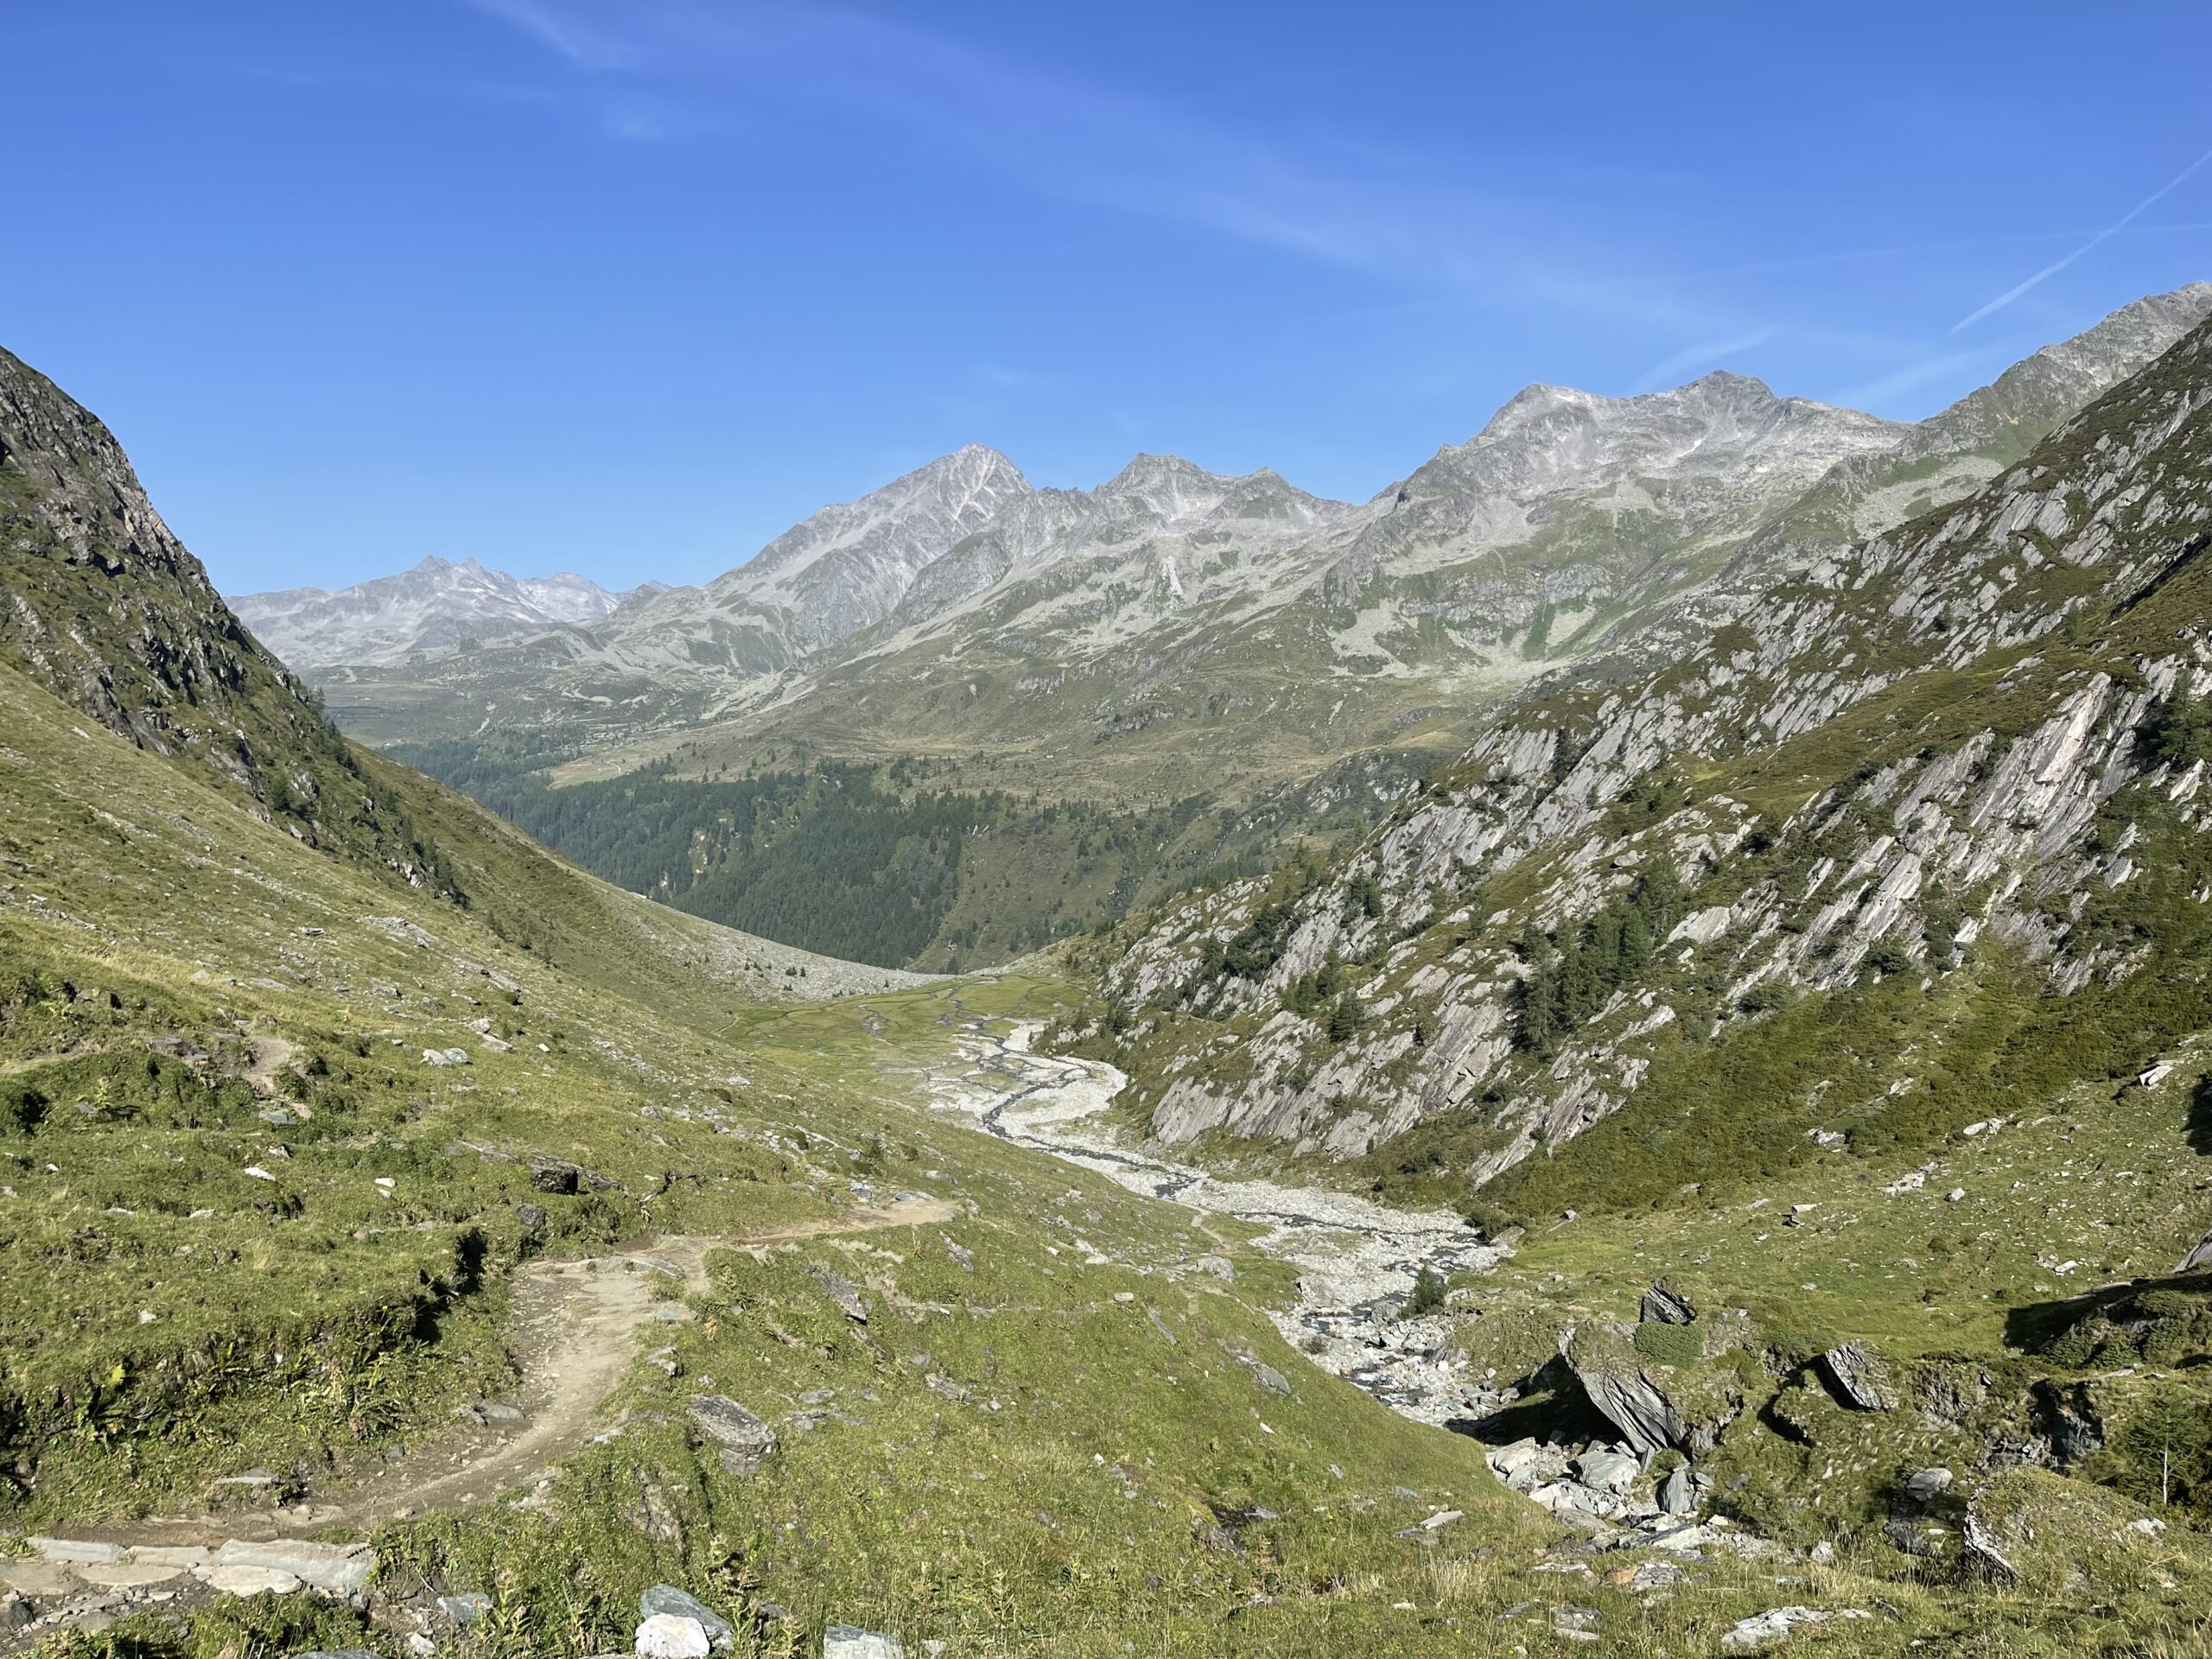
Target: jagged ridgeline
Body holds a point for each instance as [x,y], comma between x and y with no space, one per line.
[1912,837]
[318,1171]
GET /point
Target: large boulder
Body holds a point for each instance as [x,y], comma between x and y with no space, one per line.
[746,1440]
[1859,1377]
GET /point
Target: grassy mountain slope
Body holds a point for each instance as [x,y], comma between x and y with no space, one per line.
[192,995]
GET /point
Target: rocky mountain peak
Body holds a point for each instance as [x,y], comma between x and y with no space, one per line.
[1163,489]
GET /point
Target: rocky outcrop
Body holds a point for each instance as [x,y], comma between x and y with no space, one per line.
[1906,845]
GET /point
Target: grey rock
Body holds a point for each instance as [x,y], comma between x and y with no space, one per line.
[1776,1623]
[555,1175]
[467,1607]
[1926,1485]
[1656,1575]
[667,1636]
[2198,1260]
[1664,1305]
[1636,1405]
[337,1569]
[850,1641]
[1219,1266]
[746,1440]
[15,1611]
[840,1291]
[1269,1379]
[1984,1546]
[1612,1472]
[1910,1538]
[1679,1496]
[681,1604]
[1859,1377]
[1519,1464]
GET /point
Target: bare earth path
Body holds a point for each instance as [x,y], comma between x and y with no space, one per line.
[577,1331]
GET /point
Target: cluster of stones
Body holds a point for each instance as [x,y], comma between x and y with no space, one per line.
[67,1583]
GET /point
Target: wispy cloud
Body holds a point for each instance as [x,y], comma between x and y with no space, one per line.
[1705,354]
[560,29]
[1337,204]
[2109,231]
[1875,394]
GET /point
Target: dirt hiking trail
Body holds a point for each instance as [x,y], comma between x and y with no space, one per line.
[577,1331]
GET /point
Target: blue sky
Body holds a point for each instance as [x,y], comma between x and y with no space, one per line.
[628,287]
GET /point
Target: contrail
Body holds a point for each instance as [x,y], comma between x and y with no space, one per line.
[2112,228]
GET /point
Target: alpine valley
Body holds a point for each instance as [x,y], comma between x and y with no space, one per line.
[1610,1050]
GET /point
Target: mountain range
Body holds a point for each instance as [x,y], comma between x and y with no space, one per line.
[437,607]
[1267,668]
[1099,632]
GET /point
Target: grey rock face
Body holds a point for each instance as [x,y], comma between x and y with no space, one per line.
[1984,1546]
[746,1440]
[1633,1404]
[1679,1494]
[2009,812]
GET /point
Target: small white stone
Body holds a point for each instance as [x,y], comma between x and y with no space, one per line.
[250,1581]
[664,1636]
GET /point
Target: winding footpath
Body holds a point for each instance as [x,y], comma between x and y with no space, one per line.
[577,1330]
